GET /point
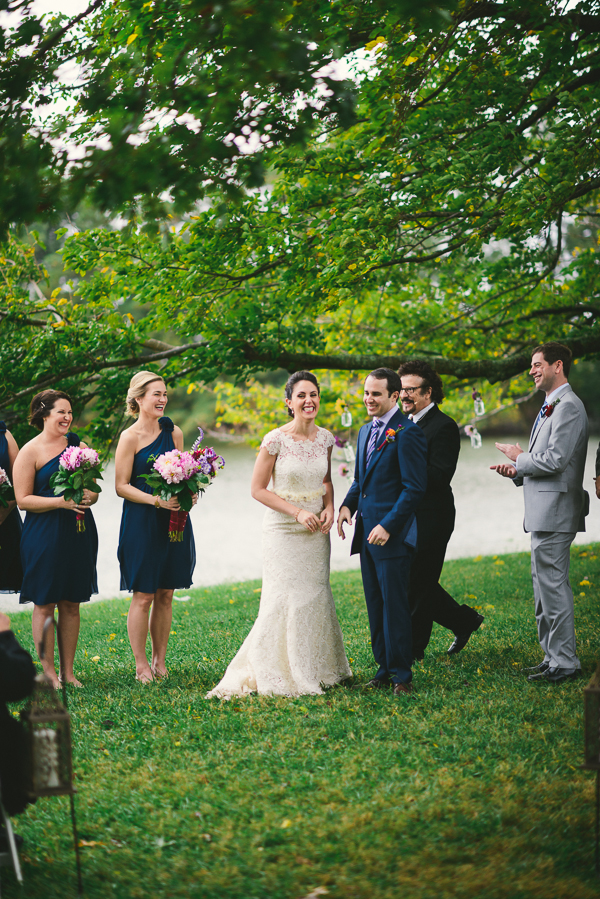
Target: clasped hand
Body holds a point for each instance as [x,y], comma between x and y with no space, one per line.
[173,504]
[512,451]
[87,500]
[314,523]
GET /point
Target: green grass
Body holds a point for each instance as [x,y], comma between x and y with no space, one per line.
[471,788]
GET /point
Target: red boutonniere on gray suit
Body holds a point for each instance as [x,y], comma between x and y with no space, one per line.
[550,409]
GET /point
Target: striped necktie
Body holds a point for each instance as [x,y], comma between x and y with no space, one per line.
[372,439]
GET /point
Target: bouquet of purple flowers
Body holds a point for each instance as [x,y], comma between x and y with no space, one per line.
[183,474]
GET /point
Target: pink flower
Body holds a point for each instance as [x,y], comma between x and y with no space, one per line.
[3,477]
[176,466]
[75,457]
[344,470]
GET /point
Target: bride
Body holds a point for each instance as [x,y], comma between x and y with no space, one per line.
[295,645]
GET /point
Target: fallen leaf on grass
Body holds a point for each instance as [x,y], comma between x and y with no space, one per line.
[160,842]
[318,891]
[89,844]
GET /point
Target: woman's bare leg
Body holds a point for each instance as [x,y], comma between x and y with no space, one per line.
[68,633]
[41,614]
[160,628]
[137,628]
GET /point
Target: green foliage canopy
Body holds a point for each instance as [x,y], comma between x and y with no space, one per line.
[130,99]
[455,220]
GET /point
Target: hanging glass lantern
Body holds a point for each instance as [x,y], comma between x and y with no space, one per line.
[346,418]
[349,453]
[472,432]
[478,404]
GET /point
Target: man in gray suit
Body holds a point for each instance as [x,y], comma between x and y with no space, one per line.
[551,474]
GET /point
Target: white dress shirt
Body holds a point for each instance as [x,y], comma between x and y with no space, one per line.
[417,416]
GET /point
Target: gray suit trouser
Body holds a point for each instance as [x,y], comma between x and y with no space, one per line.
[553,596]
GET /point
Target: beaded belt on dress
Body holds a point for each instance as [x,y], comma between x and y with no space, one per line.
[290,497]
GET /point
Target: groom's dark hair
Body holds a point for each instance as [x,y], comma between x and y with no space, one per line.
[394,384]
[555,352]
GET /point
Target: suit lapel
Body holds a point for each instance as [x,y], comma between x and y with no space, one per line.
[361,451]
[535,432]
[378,453]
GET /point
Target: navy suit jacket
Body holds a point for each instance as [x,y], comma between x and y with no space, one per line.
[388,491]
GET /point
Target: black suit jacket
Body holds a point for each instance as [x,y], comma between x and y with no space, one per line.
[443,446]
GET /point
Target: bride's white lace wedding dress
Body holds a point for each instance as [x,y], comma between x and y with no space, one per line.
[295,646]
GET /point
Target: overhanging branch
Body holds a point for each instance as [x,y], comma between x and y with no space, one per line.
[492,370]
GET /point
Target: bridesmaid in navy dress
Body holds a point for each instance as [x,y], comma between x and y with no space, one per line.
[59,563]
[11,573]
[151,566]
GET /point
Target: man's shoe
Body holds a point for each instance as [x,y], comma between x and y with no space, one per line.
[537,669]
[461,640]
[555,675]
[402,689]
[377,684]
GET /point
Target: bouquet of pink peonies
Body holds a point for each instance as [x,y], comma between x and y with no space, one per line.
[6,491]
[79,468]
[182,474]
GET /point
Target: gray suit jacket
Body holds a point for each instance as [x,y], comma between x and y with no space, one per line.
[551,472]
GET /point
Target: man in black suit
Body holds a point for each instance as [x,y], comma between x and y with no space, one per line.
[421,392]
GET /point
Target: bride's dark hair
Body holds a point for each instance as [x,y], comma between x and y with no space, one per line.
[293,380]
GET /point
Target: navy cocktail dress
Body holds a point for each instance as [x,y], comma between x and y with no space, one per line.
[11,573]
[59,562]
[149,561]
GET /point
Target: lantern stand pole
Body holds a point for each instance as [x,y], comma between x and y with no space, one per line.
[598,823]
[49,622]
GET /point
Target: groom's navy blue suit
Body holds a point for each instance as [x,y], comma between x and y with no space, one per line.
[387,491]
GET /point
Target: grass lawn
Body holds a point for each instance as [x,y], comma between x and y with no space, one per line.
[470,788]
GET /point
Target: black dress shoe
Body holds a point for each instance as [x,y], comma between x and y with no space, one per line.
[461,640]
[555,675]
[537,669]
[377,684]
[402,689]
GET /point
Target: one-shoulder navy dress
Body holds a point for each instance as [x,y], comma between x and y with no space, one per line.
[59,563]
[149,561]
[11,573]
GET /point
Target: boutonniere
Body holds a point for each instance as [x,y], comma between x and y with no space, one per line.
[390,436]
[550,409]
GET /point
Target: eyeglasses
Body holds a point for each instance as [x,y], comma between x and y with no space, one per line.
[409,390]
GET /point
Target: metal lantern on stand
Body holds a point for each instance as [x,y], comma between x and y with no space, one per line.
[48,725]
[591,698]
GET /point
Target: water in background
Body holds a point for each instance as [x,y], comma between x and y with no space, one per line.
[227,521]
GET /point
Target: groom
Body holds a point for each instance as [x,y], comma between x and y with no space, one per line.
[390,478]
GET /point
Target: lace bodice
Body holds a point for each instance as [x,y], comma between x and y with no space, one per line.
[300,465]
